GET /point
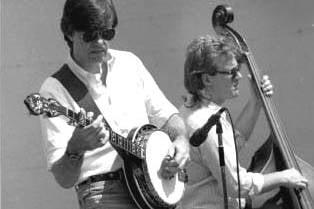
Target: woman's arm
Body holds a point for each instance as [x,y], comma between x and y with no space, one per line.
[290,178]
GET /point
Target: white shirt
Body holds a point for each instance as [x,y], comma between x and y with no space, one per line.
[204,188]
[131,98]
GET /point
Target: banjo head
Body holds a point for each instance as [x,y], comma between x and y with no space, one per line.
[170,191]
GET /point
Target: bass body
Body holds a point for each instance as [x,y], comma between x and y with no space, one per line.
[277,153]
[267,159]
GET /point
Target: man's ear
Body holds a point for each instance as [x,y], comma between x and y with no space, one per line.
[206,79]
[70,37]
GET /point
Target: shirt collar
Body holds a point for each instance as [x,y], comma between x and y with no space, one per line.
[215,108]
[86,76]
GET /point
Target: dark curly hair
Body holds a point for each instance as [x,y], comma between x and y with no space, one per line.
[87,15]
[200,58]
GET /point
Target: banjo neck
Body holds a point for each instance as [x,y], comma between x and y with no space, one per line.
[127,144]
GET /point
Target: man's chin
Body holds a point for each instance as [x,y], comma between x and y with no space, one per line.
[106,58]
[236,93]
[97,59]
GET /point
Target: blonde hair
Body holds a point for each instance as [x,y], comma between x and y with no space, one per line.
[201,54]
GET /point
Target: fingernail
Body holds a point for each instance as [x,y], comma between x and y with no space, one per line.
[168,157]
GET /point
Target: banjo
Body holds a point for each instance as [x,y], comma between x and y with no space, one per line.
[143,151]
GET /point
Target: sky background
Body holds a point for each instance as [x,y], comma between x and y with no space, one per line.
[280,34]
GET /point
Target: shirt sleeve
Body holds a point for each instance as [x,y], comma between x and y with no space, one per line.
[251,183]
[55,131]
[158,107]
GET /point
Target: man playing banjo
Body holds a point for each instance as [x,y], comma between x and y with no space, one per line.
[126,96]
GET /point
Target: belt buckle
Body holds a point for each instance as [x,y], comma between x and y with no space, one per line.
[121,176]
[89,180]
[111,176]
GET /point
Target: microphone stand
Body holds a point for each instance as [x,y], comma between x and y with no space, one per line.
[219,132]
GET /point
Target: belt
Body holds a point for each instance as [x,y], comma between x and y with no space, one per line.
[115,175]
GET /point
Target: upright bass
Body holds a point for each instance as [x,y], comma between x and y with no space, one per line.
[277,150]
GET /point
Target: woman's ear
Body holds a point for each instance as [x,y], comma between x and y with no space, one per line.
[206,79]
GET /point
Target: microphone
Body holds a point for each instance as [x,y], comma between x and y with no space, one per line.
[200,135]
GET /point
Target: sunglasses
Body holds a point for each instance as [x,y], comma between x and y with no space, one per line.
[105,34]
[234,71]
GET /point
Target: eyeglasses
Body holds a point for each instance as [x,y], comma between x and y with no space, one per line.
[106,34]
[234,71]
